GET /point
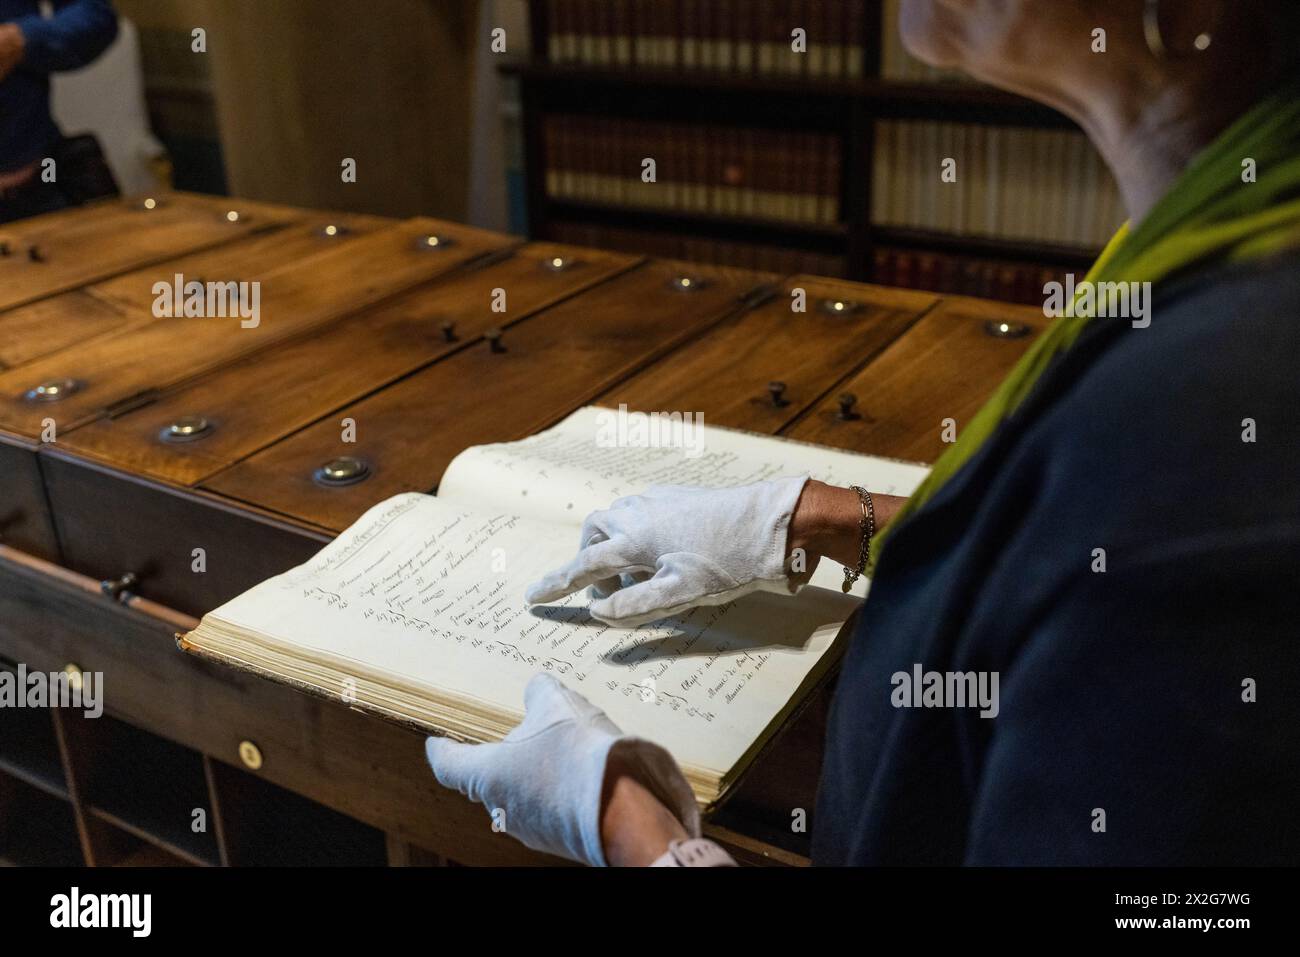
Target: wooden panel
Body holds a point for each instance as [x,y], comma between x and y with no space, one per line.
[725,375]
[25,520]
[110,523]
[48,325]
[944,367]
[252,258]
[121,369]
[78,246]
[553,363]
[258,400]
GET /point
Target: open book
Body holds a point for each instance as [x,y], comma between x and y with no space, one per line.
[417,612]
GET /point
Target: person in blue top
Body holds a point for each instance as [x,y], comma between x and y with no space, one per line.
[1114,537]
[31,48]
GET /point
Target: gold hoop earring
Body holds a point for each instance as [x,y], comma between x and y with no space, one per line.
[1156,38]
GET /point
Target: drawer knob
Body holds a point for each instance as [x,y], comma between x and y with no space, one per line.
[187,428]
[73,671]
[232,216]
[147,204]
[53,390]
[1006,330]
[35,255]
[776,390]
[344,470]
[118,588]
[4,249]
[250,754]
[434,241]
[686,283]
[840,307]
[333,230]
[847,401]
[493,337]
[449,332]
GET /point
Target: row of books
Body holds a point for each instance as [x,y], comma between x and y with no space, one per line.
[1002,280]
[696,249]
[775,175]
[1033,185]
[754,37]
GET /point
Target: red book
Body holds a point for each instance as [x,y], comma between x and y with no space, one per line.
[927,271]
[882,267]
[905,270]
[950,275]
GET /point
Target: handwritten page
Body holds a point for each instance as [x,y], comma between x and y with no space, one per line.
[426,593]
[572,469]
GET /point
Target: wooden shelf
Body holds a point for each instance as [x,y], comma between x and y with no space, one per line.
[144,785]
[847,110]
[145,854]
[265,825]
[830,238]
[29,750]
[681,94]
[983,246]
[36,828]
[181,845]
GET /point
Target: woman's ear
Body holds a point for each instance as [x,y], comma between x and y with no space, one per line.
[1183,28]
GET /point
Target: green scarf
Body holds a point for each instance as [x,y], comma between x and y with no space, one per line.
[1210,216]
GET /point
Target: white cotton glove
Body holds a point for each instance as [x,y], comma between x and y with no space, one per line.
[547,774]
[654,555]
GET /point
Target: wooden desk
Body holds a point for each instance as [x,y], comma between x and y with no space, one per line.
[370,322]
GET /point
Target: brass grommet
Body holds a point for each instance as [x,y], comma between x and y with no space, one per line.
[433,242]
[1006,330]
[687,283]
[52,390]
[250,754]
[344,470]
[187,428]
[840,307]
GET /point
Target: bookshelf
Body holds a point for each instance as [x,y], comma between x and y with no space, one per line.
[845,109]
[106,793]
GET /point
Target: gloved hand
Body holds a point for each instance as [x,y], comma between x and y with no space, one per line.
[547,775]
[654,555]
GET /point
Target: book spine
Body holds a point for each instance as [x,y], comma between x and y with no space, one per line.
[622,33]
[552,151]
[831,186]
[605,32]
[690,34]
[640,33]
[585,40]
[724,35]
[552,32]
[744,15]
[855,30]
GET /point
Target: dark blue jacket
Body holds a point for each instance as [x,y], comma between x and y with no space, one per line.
[79,31]
[1121,692]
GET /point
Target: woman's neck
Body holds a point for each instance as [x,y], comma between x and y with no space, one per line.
[1148,141]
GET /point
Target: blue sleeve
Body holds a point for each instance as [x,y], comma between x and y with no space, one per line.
[79,31]
[1154,717]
